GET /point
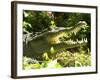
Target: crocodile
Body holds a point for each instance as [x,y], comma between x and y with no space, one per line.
[43,42]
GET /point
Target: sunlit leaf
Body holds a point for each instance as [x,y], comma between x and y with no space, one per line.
[53,64]
[52,50]
[45,56]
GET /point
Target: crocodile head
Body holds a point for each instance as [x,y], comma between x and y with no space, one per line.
[56,35]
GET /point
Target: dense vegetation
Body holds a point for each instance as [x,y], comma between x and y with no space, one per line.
[36,22]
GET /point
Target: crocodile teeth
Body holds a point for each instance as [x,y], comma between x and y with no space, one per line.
[82,39]
[79,42]
[85,40]
[74,33]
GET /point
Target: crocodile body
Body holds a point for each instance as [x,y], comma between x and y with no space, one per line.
[43,42]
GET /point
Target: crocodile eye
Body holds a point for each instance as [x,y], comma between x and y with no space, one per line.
[82,23]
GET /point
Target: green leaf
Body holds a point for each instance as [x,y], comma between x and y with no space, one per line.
[52,51]
[45,56]
[53,64]
[45,64]
[36,66]
[32,66]
[77,64]
[52,25]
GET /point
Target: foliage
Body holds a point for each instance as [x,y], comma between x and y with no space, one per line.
[82,60]
[40,21]
[59,60]
[37,19]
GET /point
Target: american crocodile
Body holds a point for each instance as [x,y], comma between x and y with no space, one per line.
[43,42]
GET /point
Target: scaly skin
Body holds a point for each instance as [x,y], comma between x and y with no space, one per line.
[43,42]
